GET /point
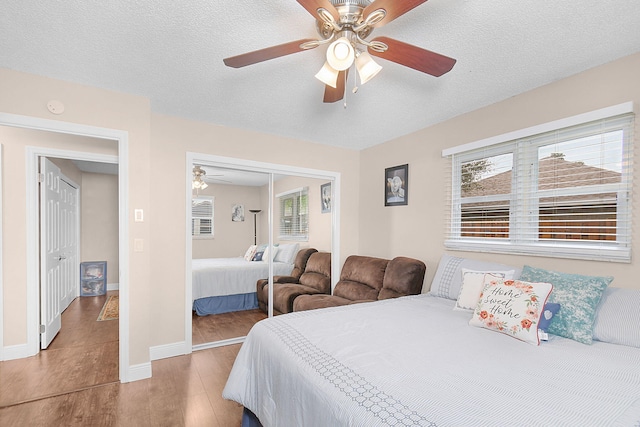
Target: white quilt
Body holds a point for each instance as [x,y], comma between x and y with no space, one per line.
[415,361]
[230,276]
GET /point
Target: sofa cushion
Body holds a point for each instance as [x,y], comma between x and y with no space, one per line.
[300,263]
[317,274]
[403,276]
[361,278]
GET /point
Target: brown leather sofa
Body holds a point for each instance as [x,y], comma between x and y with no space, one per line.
[315,279]
[365,279]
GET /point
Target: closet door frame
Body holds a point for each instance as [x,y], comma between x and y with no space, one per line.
[254,166]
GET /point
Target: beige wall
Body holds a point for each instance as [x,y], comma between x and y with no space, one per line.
[99,232]
[230,239]
[418,229]
[172,138]
[319,223]
[158,146]
[28,95]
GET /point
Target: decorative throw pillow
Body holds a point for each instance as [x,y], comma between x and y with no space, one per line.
[512,307]
[258,254]
[248,255]
[472,284]
[550,310]
[579,296]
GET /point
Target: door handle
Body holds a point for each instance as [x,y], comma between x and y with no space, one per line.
[61,257]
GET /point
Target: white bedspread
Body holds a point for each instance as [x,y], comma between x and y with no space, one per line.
[415,361]
[230,276]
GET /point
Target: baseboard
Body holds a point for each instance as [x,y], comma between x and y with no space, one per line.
[139,372]
[13,352]
[169,350]
[113,286]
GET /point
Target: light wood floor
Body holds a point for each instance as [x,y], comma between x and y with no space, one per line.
[75,382]
[216,327]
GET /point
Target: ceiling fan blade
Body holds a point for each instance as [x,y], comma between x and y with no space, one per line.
[394,9]
[414,57]
[312,7]
[272,52]
[336,94]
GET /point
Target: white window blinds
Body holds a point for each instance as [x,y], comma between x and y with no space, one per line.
[202,216]
[294,214]
[562,193]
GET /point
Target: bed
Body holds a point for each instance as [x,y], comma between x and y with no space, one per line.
[222,285]
[417,361]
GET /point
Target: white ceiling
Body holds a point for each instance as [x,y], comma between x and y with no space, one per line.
[171,52]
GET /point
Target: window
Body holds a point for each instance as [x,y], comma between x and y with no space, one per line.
[202,217]
[294,214]
[563,193]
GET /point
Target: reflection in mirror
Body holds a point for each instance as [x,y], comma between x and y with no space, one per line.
[230,244]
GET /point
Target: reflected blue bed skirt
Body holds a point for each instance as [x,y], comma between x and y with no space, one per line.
[249,419]
[225,304]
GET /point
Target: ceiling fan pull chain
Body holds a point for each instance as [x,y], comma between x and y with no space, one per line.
[345,90]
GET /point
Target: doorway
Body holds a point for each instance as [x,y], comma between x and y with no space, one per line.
[120,138]
[271,171]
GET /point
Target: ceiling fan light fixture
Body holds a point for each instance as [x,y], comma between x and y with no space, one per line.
[367,67]
[328,75]
[198,183]
[340,54]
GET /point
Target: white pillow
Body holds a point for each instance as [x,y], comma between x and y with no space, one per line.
[512,307]
[472,284]
[287,253]
[269,252]
[618,317]
[248,255]
[448,278]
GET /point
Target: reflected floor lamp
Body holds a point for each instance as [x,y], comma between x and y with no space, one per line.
[255,213]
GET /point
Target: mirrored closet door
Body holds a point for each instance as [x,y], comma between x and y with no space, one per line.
[246,225]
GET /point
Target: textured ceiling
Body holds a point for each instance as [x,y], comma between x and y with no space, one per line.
[171,52]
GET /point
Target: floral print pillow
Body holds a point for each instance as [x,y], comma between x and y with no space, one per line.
[512,307]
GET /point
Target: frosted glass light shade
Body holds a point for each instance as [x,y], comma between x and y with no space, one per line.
[367,67]
[340,54]
[328,75]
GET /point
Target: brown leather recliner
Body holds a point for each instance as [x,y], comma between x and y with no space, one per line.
[366,279]
[316,279]
[299,264]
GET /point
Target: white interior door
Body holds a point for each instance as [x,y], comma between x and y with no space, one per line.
[58,249]
[69,239]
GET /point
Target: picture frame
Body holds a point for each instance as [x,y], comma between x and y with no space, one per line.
[396,185]
[325,198]
[237,213]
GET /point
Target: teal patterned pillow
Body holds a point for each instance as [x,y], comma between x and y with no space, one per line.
[579,296]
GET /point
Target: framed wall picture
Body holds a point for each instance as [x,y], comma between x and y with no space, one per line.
[237,213]
[325,197]
[396,185]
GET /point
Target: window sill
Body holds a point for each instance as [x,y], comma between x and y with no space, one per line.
[569,251]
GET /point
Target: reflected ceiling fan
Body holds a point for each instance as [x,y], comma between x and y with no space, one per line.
[345,26]
[200,178]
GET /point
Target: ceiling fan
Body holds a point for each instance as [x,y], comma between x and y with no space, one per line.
[200,177]
[345,26]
